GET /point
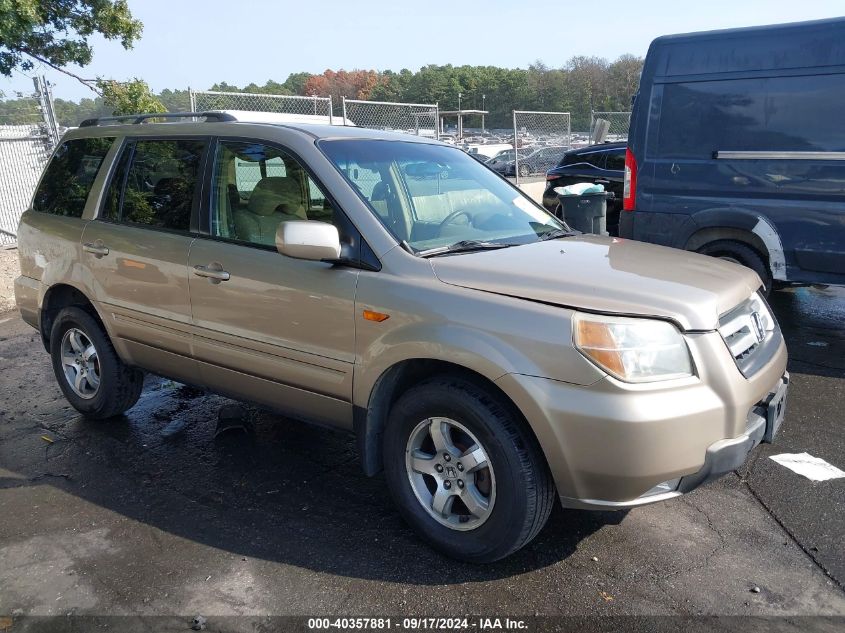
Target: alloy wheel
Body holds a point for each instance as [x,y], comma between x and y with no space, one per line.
[450,473]
[80,363]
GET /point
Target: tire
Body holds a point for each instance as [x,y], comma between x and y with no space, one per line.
[118,385]
[741,254]
[519,489]
[524,171]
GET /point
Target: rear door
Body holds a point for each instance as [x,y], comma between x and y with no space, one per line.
[269,328]
[136,251]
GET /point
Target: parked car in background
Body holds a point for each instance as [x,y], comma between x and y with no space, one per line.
[500,161]
[531,161]
[487,359]
[540,160]
[599,164]
[737,149]
[481,158]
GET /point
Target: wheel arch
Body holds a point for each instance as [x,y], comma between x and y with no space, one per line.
[57,297]
[369,423]
[739,225]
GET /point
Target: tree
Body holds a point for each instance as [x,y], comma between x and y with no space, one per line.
[56,32]
[354,84]
[130,97]
[582,84]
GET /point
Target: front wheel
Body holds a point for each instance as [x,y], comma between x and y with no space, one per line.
[90,374]
[524,171]
[464,471]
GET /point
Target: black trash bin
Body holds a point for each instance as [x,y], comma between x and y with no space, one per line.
[586,212]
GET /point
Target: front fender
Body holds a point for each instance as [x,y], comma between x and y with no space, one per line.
[490,334]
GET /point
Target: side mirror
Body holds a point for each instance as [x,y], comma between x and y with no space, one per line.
[308,239]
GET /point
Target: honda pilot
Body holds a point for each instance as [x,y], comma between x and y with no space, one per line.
[489,361]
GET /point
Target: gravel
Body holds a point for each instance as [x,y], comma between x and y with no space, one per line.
[9,269]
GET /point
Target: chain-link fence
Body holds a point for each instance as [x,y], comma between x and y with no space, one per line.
[540,139]
[609,126]
[25,146]
[204,100]
[413,118]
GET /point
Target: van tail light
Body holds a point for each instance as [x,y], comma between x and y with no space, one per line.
[629,189]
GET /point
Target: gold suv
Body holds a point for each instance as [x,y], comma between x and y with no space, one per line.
[488,359]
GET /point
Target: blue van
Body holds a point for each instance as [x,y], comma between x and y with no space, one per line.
[737,149]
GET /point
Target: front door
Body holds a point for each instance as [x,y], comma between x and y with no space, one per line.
[269,328]
[136,251]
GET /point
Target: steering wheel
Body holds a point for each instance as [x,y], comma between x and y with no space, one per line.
[453,216]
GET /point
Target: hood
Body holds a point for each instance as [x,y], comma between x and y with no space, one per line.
[606,274]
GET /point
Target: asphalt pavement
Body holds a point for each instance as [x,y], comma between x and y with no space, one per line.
[150,514]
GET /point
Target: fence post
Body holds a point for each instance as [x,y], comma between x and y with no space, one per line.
[331,110]
[193,99]
[437,121]
[515,151]
[343,106]
[48,113]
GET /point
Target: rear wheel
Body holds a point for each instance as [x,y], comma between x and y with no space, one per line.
[524,171]
[739,253]
[90,374]
[464,471]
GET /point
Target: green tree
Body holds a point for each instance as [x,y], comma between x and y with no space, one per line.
[130,97]
[56,32]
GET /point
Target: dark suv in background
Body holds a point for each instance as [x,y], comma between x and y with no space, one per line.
[600,164]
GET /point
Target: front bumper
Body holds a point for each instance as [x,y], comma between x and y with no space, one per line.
[614,445]
[721,458]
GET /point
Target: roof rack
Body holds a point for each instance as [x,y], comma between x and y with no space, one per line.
[141,118]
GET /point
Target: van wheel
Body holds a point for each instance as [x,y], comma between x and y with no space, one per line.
[464,472]
[90,374]
[740,253]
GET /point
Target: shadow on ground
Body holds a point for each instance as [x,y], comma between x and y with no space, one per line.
[285,492]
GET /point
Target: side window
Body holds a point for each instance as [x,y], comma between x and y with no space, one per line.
[155,183]
[596,159]
[256,187]
[616,161]
[68,178]
[767,114]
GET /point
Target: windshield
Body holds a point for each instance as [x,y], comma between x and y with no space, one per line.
[433,196]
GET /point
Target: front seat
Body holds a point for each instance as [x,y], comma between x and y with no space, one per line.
[275,199]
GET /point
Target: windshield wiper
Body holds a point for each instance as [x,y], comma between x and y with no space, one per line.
[555,234]
[464,246]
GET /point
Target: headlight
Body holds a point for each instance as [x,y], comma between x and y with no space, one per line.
[633,350]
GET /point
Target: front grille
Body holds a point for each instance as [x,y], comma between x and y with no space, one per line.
[746,329]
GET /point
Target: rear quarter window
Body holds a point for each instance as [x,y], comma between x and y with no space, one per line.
[615,161]
[68,178]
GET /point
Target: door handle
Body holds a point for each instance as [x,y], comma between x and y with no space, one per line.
[214,275]
[97,249]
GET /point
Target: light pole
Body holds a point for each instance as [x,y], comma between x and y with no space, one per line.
[483,99]
[460,120]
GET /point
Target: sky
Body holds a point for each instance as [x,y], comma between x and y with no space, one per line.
[190,43]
